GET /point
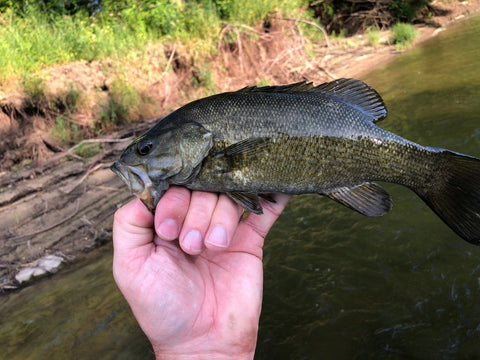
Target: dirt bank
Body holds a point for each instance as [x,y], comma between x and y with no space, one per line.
[59,203]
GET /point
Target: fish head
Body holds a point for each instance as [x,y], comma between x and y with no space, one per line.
[162,156]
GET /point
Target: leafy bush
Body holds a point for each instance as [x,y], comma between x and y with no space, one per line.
[402,35]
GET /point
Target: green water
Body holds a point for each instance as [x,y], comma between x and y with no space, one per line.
[337,285]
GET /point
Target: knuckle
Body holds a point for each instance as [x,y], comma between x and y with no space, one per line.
[202,205]
[175,200]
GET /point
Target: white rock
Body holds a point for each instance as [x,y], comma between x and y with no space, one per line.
[49,263]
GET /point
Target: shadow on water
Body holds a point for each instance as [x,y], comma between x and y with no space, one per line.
[337,285]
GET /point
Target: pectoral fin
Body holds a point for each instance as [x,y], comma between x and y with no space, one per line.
[268,197]
[249,201]
[247,147]
[368,199]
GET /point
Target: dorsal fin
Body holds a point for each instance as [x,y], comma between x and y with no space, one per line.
[356,93]
[300,86]
[351,91]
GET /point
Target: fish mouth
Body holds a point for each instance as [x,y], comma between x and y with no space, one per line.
[135,178]
[118,169]
[139,183]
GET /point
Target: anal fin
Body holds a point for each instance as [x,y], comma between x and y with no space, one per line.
[368,199]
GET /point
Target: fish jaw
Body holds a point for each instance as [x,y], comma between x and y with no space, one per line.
[140,184]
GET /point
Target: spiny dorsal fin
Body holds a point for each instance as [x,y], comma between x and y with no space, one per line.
[300,86]
[351,91]
[357,93]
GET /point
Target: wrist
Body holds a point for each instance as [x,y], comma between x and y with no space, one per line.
[162,354]
[214,347]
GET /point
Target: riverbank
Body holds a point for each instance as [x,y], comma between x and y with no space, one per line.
[53,208]
[361,59]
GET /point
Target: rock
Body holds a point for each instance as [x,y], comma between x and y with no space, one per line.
[50,263]
[47,264]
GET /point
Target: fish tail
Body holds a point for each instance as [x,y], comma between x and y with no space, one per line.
[454,193]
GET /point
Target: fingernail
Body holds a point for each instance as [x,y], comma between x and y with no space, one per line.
[168,229]
[218,237]
[193,241]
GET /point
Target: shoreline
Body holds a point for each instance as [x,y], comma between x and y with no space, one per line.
[363,59]
[64,191]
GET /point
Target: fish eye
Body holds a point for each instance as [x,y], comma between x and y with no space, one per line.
[144,148]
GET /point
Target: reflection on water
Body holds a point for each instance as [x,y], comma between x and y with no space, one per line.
[78,314]
[336,283]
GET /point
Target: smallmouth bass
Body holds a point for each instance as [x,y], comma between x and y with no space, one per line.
[298,139]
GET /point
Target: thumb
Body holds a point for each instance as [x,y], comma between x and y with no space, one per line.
[132,226]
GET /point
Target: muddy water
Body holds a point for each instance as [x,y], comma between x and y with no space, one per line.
[337,285]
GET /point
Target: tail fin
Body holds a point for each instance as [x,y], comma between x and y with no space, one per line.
[455,197]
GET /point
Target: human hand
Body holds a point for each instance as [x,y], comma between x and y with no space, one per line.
[199,296]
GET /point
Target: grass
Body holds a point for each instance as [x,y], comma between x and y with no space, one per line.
[203,77]
[87,150]
[33,87]
[373,35]
[402,35]
[125,103]
[65,130]
[34,39]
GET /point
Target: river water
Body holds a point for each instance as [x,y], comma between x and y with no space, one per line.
[337,285]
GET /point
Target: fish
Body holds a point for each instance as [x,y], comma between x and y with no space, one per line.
[298,139]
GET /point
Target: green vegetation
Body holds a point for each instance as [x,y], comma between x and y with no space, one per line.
[123,98]
[18,167]
[33,87]
[87,150]
[373,35]
[38,34]
[204,77]
[65,130]
[402,35]
[63,102]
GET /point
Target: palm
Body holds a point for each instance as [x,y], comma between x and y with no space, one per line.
[215,294]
